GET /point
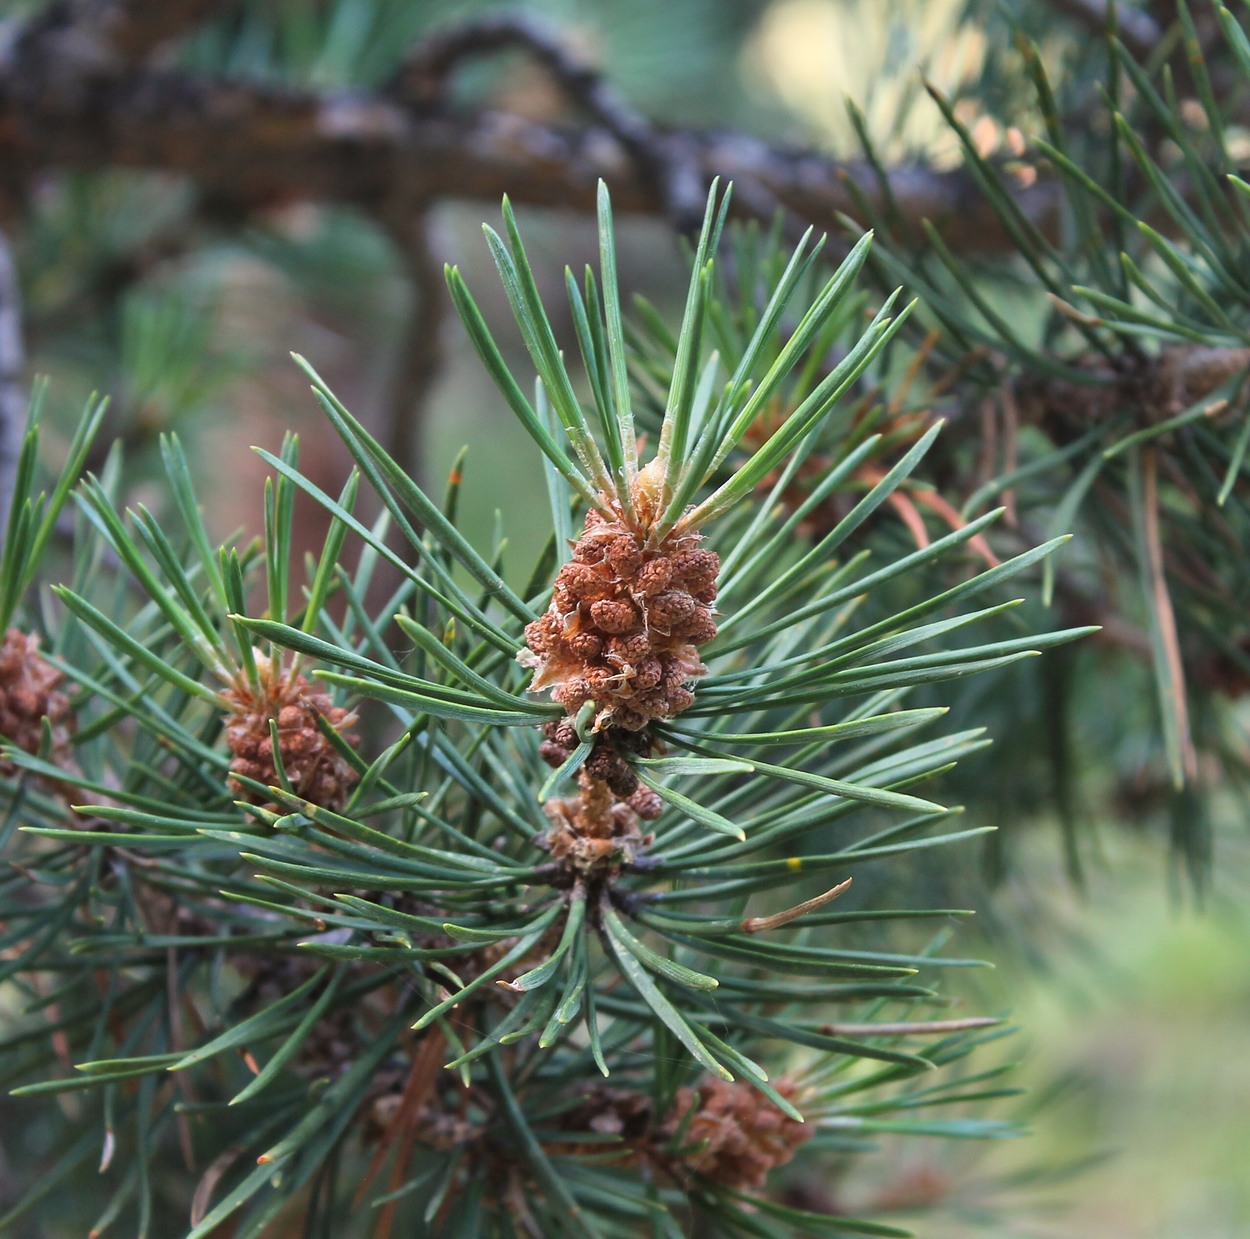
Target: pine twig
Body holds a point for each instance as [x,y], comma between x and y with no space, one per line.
[423,78]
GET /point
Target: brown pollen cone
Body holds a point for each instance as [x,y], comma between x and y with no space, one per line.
[622,634]
[28,694]
[315,769]
[735,1135]
[593,832]
[605,763]
[625,623]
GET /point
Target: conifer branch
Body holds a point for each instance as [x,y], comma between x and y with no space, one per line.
[596,842]
[423,80]
[111,33]
[253,145]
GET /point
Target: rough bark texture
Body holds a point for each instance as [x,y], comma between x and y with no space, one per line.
[76,92]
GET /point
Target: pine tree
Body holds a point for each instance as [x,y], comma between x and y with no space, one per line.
[400,886]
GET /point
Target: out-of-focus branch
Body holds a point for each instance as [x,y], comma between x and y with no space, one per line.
[256,144]
[102,285]
[421,344]
[423,79]
[126,31]
[12,395]
[1157,386]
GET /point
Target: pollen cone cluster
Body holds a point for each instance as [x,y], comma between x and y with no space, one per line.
[28,694]
[624,626]
[605,765]
[734,1135]
[314,768]
[726,1132]
[593,832]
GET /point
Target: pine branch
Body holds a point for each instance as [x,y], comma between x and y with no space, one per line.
[252,145]
[423,79]
[117,32]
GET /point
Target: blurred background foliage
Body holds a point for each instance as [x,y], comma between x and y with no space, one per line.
[1112,902]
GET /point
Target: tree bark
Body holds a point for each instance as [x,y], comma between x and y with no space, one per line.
[73,96]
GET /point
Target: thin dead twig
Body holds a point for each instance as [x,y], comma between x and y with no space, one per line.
[423,79]
[1161,603]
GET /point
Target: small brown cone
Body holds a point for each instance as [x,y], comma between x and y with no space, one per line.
[735,1135]
[315,769]
[624,626]
[592,834]
[29,693]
